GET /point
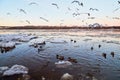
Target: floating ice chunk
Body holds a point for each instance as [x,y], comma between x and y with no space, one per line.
[4,68]
[63,64]
[36,42]
[58,41]
[7,44]
[16,69]
[66,76]
[17,37]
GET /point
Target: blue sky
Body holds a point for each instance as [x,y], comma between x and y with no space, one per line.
[61,16]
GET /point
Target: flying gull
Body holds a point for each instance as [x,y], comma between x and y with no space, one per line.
[33,3]
[28,21]
[86,13]
[93,9]
[91,17]
[44,19]
[22,10]
[116,9]
[55,5]
[79,3]
[118,2]
[8,13]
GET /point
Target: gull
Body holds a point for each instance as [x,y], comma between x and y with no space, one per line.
[22,10]
[55,5]
[116,9]
[33,3]
[8,13]
[93,9]
[44,19]
[86,13]
[75,1]
[91,17]
[77,9]
[75,14]
[118,2]
[28,21]
[116,18]
[69,9]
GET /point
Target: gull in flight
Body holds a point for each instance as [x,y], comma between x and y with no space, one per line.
[93,9]
[118,2]
[91,17]
[80,4]
[44,19]
[116,9]
[55,5]
[33,3]
[22,10]
[28,21]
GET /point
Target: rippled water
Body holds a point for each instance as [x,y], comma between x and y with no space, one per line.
[90,62]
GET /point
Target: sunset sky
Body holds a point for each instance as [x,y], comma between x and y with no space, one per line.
[11,13]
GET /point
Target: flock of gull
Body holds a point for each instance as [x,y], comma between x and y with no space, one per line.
[74,14]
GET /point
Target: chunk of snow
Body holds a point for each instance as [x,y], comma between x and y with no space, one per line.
[16,69]
[58,41]
[63,64]
[7,44]
[66,76]
[4,68]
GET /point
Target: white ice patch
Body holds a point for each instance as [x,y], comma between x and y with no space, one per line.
[36,41]
[63,64]
[16,37]
[59,40]
[66,76]
[7,44]
[4,68]
[16,69]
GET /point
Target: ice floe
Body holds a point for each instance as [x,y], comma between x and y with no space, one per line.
[16,69]
[16,37]
[36,41]
[4,68]
[7,44]
[111,41]
[58,41]
[63,64]
[66,76]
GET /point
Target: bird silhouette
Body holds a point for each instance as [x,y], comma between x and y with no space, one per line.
[55,5]
[8,13]
[69,9]
[116,18]
[104,55]
[118,2]
[75,14]
[79,3]
[44,19]
[86,13]
[33,3]
[28,21]
[112,53]
[91,17]
[99,45]
[116,9]
[93,9]
[22,10]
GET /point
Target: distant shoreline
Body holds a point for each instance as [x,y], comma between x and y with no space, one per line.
[57,27]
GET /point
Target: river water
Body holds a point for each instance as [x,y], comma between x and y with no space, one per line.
[90,62]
